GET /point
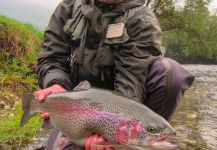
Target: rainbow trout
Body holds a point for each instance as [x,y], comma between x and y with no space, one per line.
[117,118]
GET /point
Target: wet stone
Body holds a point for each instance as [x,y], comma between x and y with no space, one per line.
[5,147]
[2,105]
[3,115]
[16,103]
[7,107]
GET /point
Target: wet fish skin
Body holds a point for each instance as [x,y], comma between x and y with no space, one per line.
[81,113]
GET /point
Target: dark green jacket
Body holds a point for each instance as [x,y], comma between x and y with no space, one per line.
[75,46]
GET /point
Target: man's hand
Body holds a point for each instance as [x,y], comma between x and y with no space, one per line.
[42,94]
[95,139]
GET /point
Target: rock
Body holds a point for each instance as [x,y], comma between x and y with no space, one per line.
[3,102]
[192,115]
[3,115]
[7,107]
[16,103]
[191,142]
[6,146]
[2,106]
[11,115]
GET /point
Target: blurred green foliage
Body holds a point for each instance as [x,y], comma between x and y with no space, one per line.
[19,46]
[190,31]
[11,132]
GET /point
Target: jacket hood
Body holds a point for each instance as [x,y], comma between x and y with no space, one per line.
[121,7]
[127,4]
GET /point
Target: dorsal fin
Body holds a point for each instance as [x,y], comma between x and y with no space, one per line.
[83,85]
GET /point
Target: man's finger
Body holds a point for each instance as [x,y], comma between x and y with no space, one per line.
[45,115]
[94,140]
[88,144]
[57,89]
[41,97]
[100,139]
[109,148]
[42,94]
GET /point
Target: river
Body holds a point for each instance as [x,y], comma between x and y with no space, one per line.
[196,121]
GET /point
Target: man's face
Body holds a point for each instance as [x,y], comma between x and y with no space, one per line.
[109,2]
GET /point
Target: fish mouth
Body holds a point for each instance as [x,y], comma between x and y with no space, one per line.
[158,138]
[160,142]
[157,142]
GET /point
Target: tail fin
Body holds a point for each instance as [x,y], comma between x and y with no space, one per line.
[26,101]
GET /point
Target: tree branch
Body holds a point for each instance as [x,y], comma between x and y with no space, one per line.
[157,5]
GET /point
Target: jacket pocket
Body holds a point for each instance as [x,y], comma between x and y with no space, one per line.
[120,40]
[75,26]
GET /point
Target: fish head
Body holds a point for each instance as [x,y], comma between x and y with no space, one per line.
[128,129]
[154,133]
[157,126]
[156,136]
[157,133]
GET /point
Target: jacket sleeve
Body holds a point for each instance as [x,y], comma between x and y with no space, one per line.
[134,56]
[53,67]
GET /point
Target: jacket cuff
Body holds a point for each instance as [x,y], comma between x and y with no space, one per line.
[59,77]
[63,83]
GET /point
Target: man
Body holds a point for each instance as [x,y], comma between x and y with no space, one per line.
[114,44]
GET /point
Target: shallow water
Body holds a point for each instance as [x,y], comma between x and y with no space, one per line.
[195,121]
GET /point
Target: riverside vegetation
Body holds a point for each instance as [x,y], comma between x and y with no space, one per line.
[189,34]
[19,45]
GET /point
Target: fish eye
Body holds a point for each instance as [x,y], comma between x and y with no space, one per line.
[152,130]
